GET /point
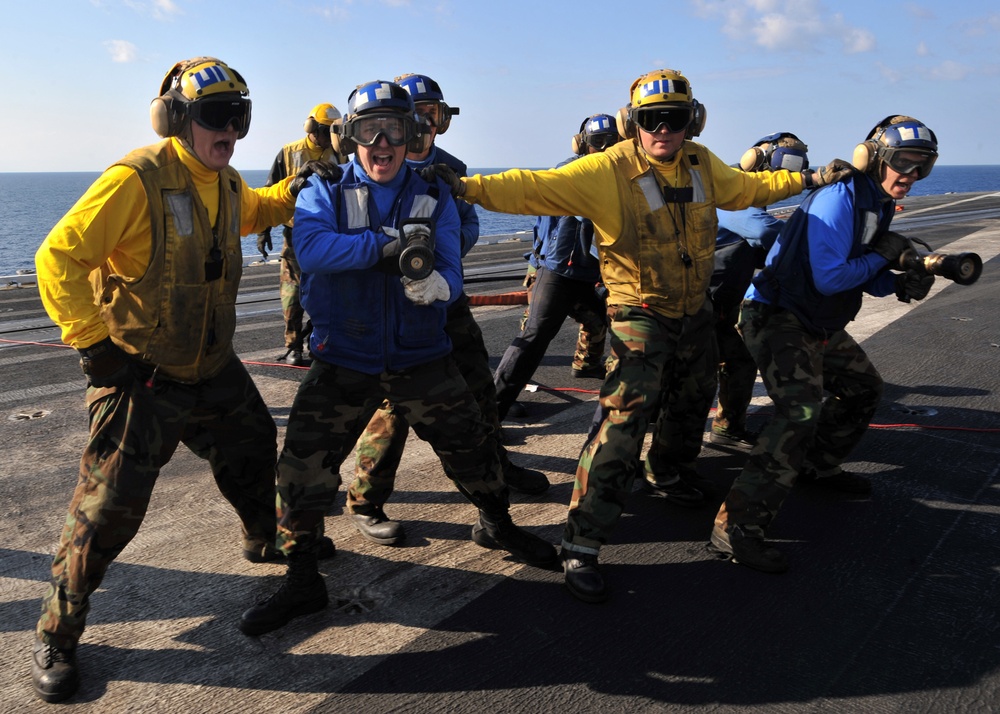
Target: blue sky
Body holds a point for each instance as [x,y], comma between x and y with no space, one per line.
[78,75]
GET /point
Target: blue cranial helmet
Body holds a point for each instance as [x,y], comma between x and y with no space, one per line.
[598,131]
[423,89]
[902,143]
[780,150]
[378,96]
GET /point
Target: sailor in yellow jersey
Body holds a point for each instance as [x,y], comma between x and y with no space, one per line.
[141,276]
[320,143]
[652,199]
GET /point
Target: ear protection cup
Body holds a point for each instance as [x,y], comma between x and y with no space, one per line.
[626,129]
[311,125]
[422,141]
[753,159]
[336,145]
[347,146]
[864,156]
[166,114]
[419,144]
[697,124]
[579,142]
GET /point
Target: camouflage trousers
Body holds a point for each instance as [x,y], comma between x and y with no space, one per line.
[555,298]
[737,372]
[291,305]
[380,448]
[662,368]
[133,433]
[825,393]
[589,351]
[331,409]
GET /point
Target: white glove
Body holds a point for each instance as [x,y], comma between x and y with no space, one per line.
[424,292]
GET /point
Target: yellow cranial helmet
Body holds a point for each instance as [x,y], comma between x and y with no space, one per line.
[661,98]
[663,86]
[203,76]
[204,90]
[325,114]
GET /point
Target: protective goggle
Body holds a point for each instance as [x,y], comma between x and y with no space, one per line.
[903,160]
[217,113]
[366,130]
[788,158]
[602,141]
[430,111]
[652,119]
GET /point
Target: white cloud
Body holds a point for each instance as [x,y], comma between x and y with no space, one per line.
[785,25]
[920,12]
[121,50]
[922,49]
[163,10]
[980,26]
[888,73]
[950,70]
[856,40]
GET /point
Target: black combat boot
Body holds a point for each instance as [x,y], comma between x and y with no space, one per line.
[733,437]
[674,490]
[523,480]
[302,593]
[54,672]
[377,527]
[843,482]
[583,578]
[747,549]
[500,533]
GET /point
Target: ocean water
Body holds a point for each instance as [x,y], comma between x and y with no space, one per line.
[32,203]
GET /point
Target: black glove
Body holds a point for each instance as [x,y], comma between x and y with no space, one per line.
[326,170]
[836,170]
[264,243]
[105,365]
[389,262]
[890,245]
[913,284]
[432,173]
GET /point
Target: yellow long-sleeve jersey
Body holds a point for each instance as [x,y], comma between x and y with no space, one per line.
[110,224]
[654,222]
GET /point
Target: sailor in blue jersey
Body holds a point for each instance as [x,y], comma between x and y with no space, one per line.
[566,277]
[378,333]
[380,448]
[836,246]
[743,240]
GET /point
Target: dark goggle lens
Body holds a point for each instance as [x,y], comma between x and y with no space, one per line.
[396,130]
[652,120]
[907,164]
[218,114]
[789,159]
[602,141]
[430,111]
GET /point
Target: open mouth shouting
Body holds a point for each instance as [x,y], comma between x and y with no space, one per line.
[382,162]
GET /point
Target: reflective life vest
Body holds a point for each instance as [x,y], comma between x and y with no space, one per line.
[180,315]
[787,280]
[362,319]
[663,258]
